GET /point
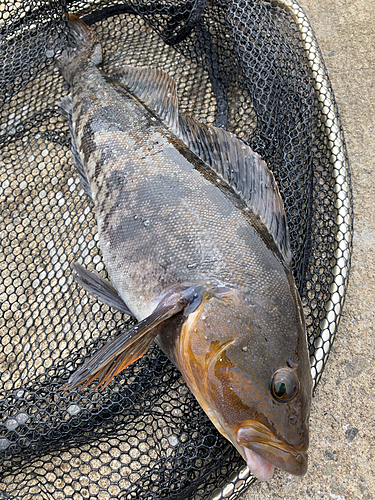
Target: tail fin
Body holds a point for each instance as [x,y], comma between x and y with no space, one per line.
[84,48]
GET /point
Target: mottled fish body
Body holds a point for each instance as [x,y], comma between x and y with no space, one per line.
[193,234]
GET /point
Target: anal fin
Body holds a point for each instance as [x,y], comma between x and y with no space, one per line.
[66,110]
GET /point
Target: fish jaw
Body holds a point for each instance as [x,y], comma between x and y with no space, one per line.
[264,451]
[259,467]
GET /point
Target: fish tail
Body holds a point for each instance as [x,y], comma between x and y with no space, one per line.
[84,49]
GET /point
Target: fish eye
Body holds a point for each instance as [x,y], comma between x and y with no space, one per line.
[284,385]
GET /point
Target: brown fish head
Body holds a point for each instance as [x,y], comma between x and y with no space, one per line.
[246,361]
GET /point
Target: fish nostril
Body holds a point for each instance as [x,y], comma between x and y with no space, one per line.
[293,420]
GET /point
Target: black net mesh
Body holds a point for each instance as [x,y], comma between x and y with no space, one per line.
[252,67]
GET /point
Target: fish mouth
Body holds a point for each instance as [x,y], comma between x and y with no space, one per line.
[263,451]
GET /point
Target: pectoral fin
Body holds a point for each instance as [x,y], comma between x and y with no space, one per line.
[132,344]
[100,288]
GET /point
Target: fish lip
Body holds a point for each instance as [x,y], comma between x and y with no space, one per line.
[258,438]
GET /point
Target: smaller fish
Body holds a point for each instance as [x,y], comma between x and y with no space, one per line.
[193,232]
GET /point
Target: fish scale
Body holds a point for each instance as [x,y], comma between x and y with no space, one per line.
[193,233]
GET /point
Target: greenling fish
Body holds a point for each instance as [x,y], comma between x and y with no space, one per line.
[193,233]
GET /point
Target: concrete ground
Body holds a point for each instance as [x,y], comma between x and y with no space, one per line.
[342,449]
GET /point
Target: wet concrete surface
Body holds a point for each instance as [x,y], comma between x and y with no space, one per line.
[342,445]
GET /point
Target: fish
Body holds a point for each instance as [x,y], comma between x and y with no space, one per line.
[194,236]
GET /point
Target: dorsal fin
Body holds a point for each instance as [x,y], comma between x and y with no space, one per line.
[247,174]
[155,88]
[231,159]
